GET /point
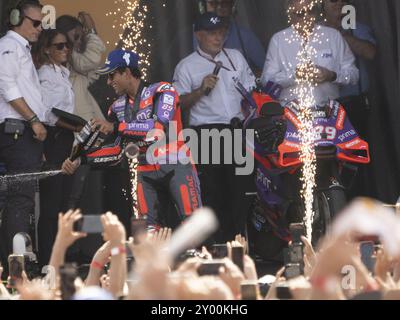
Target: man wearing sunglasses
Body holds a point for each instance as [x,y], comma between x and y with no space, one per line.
[332,57]
[21,115]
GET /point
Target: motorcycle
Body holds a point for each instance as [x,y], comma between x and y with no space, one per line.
[277,153]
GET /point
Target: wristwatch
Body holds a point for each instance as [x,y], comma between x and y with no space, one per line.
[34,119]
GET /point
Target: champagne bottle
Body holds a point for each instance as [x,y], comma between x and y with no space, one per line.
[83,141]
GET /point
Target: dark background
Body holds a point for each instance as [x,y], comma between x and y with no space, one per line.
[171,36]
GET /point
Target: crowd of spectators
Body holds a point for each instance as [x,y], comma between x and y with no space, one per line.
[144,269]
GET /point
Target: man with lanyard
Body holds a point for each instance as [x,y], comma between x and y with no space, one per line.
[21,115]
[213,101]
[144,113]
[236,36]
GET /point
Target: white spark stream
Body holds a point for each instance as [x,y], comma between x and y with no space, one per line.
[304,93]
[131,17]
[133,176]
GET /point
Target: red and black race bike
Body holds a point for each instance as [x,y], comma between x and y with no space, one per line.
[277,149]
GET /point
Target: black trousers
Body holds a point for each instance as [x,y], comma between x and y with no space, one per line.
[54,191]
[223,190]
[19,155]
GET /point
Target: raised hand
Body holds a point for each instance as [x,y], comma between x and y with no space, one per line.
[66,235]
[114,230]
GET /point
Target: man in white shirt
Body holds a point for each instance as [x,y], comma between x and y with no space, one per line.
[21,115]
[332,56]
[213,101]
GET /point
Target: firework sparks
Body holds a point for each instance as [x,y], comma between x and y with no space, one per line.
[131,17]
[133,178]
[306,72]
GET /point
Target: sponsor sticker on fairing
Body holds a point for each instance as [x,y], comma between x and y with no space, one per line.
[292,118]
[261,178]
[319,114]
[293,135]
[340,119]
[291,144]
[352,143]
[346,135]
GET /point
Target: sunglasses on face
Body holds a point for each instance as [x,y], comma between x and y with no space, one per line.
[60,46]
[35,23]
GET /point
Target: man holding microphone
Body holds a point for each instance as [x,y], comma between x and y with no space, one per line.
[204,81]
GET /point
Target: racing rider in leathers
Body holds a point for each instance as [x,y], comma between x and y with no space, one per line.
[142,114]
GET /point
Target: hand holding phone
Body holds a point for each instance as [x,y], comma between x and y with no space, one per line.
[297,230]
[367,250]
[292,270]
[210,267]
[114,231]
[66,233]
[219,251]
[89,224]
[238,256]
[250,290]
[296,253]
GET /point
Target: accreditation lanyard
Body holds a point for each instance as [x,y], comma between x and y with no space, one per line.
[215,62]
